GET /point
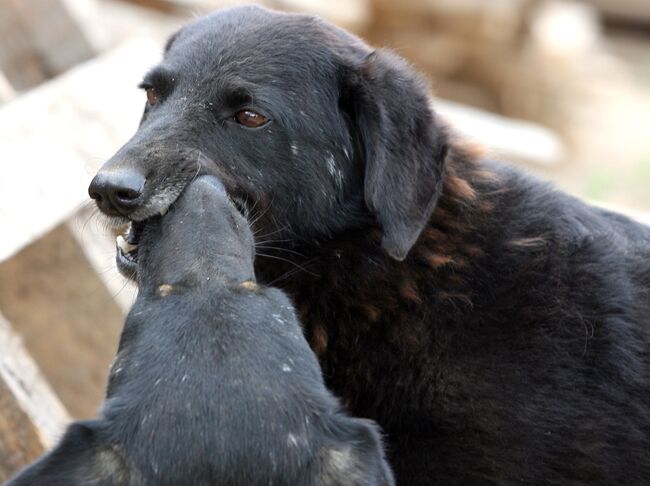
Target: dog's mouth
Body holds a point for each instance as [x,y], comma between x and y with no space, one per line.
[127,248]
[128,241]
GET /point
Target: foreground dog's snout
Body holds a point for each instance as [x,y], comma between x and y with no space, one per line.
[117,192]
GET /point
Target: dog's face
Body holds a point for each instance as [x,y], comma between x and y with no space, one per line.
[306,127]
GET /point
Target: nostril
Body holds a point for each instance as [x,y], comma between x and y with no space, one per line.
[127,194]
[95,195]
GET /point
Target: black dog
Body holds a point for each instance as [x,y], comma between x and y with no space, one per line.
[213,383]
[498,330]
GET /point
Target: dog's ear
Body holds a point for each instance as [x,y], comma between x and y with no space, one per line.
[402,146]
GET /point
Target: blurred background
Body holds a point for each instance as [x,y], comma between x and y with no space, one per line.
[561,88]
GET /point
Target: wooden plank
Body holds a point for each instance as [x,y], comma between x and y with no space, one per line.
[40,40]
[505,138]
[632,10]
[18,60]
[98,244]
[54,138]
[6,91]
[31,416]
[68,320]
[51,34]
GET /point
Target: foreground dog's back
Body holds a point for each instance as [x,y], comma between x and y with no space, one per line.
[213,382]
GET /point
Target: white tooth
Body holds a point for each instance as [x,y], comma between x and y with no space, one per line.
[124,245]
[164,211]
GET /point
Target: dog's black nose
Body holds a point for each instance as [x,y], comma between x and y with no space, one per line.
[117,192]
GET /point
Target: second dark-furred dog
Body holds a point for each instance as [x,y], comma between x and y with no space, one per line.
[214,383]
[497,329]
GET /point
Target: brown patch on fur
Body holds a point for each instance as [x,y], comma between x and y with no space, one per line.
[486,206]
[454,296]
[164,290]
[406,340]
[485,175]
[372,312]
[473,251]
[318,339]
[435,234]
[441,214]
[470,149]
[459,188]
[436,260]
[456,280]
[409,291]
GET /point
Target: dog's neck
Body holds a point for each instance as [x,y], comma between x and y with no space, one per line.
[355,286]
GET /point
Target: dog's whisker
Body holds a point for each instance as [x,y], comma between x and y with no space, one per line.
[259,216]
[279,230]
[289,273]
[277,248]
[286,260]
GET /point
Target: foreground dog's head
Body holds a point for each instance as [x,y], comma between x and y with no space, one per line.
[304,124]
[202,238]
[214,382]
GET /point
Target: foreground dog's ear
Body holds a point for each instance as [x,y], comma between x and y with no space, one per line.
[403,147]
[78,459]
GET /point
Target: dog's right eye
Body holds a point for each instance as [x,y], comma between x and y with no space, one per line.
[250,119]
[152,95]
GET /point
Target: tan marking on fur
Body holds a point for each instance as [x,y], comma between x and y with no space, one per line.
[440,213]
[460,262]
[319,339]
[408,290]
[409,340]
[249,285]
[471,149]
[434,234]
[165,289]
[485,175]
[473,251]
[486,206]
[372,312]
[455,223]
[456,280]
[532,242]
[438,260]
[453,296]
[459,188]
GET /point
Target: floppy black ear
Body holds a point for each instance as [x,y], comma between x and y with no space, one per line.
[403,147]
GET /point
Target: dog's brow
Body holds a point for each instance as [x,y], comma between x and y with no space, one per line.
[159,76]
[236,95]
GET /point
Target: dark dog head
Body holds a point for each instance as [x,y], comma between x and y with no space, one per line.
[202,238]
[305,124]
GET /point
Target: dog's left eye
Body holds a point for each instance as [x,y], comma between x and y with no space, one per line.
[250,118]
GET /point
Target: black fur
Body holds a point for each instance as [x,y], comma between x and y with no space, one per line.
[214,383]
[497,329]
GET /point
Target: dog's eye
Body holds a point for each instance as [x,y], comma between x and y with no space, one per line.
[250,119]
[152,96]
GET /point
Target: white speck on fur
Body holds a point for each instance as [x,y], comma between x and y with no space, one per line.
[286,368]
[331,164]
[292,440]
[334,171]
[294,148]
